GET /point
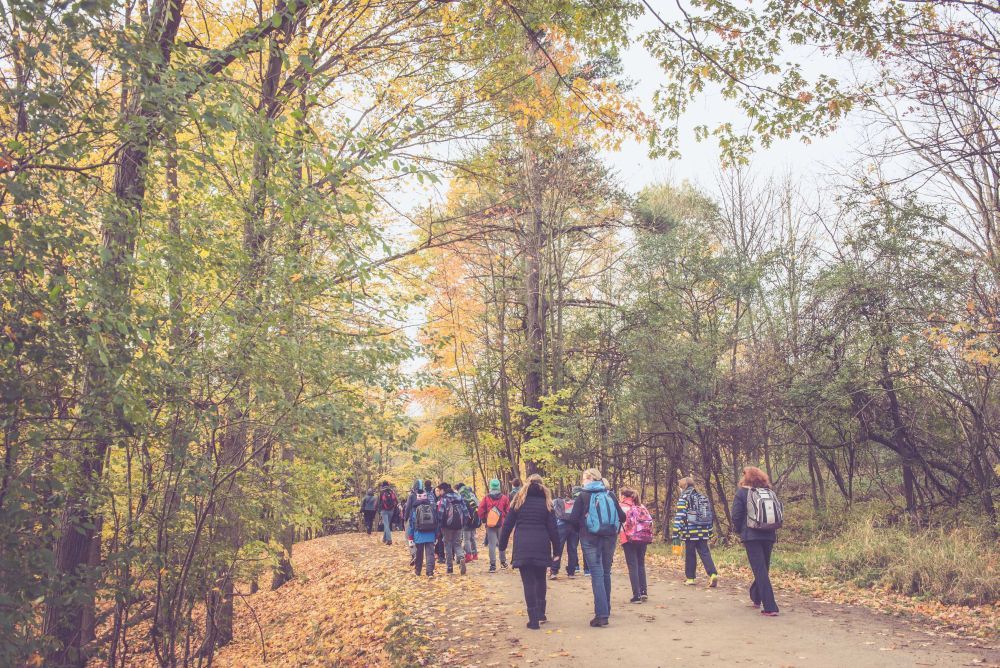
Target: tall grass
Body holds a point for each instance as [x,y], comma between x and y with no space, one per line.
[951,565]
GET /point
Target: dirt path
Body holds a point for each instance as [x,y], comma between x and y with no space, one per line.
[682,625]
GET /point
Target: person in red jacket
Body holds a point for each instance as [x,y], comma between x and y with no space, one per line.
[493,510]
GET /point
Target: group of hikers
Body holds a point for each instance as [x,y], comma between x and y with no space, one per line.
[441,524]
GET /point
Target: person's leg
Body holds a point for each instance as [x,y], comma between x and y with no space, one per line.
[592,553]
[557,558]
[705,552]
[418,558]
[459,549]
[633,568]
[572,559]
[690,559]
[540,595]
[475,549]
[528,578]
[764,586]
[429,557]
[449,548]
[641,559]
[439,548]
[491,540]
[610,543]
[387,526]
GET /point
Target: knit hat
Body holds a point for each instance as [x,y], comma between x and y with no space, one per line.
[494,485]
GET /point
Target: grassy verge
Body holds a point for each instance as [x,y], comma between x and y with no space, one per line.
[950,575]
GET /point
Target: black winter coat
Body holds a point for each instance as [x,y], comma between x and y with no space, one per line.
[739,517]
[536,538]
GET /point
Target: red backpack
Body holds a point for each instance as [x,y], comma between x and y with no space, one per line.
[388,499]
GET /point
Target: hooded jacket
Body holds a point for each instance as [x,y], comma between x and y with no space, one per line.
[368,503]
[536,538]
[684,529]
[498,499]
[578,518]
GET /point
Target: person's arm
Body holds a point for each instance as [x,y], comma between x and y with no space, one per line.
[680,517]
[576,516]
[618,507]
[738,512]
[508,527]
[483,509]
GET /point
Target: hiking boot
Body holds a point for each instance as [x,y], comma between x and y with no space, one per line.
[493,568]
[599,621]
[690,582]
[461,568]
[713,580]
[635,599]
[643,597]
[503,565]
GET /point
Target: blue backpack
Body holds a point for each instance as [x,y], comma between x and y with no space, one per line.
[602,518]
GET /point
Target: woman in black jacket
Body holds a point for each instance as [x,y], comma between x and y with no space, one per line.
[757,542]
[534,543]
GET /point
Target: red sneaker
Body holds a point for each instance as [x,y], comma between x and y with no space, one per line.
[468,558]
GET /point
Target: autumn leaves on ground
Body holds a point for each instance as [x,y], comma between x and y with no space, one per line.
[355,602]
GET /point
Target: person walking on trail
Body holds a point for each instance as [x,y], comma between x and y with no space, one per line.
[569,537]
[636,535]
[693,524]
[423,526]
[515,487]
[387,502]
[598,517]
[534,543]
[469,534]
[757,515]
[492,511]
[368,505]
[418,486]
[453,514]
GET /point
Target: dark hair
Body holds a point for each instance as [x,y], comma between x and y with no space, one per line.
[385,483]
[459,485]
[630,493]
[754,477]
[516,482]
[427,485]
[444,487]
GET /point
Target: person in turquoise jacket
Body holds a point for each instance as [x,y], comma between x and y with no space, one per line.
[423,537]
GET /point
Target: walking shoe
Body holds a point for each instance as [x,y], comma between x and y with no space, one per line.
[713,580]
[586,572]
[571,575]
[533,624]
[690,581]
[767,613]
[635,599]
[543,619]
[599,621]
[451,570]
[553,576]
[644,597]
[461,568]
[503,565]
[468,558]
[493,568]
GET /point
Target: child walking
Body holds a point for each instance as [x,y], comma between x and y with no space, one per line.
[636,535]
[693,524]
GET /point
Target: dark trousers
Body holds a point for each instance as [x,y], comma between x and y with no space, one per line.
[533,580]
[424,551]
[692,550]
[635,559]
[439,548]
[369,519]
[569,539]
[759,555]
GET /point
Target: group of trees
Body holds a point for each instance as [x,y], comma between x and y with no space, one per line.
[204,292]
[846,341]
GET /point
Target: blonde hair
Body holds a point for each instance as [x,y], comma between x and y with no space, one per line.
[522,494]
[593,474]
[686,481]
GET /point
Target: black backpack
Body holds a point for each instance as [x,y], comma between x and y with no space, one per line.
[424,518]
[452,514]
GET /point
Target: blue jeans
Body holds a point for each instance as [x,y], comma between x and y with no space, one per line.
[386,525]
[599,552]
